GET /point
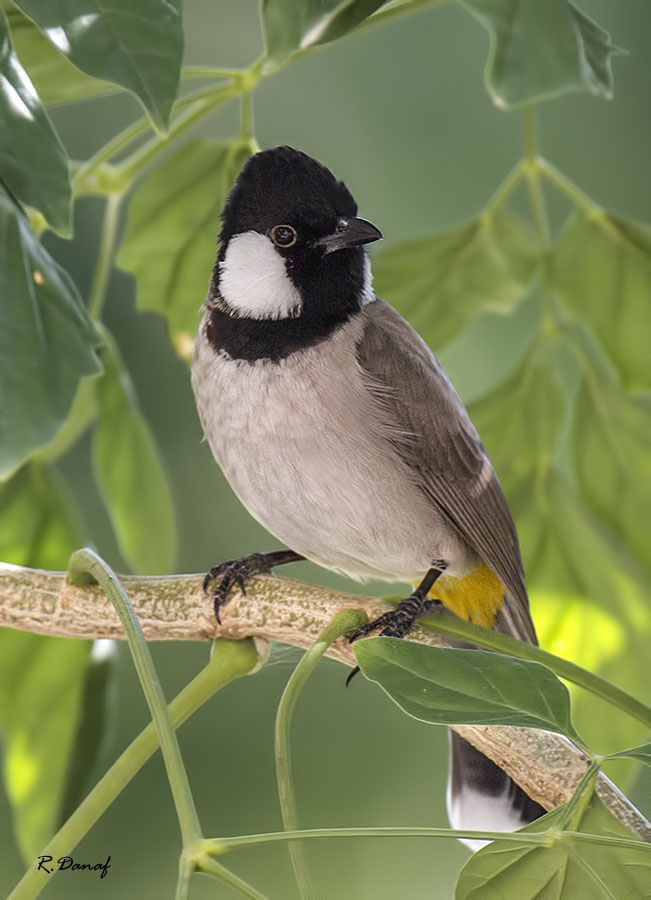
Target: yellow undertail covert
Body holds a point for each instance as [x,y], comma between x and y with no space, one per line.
[477,597]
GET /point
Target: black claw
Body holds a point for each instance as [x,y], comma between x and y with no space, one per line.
[352,675]
[235,573]
[399,622]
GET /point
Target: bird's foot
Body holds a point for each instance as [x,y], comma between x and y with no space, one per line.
[237,572]
[396,623]
[399,621]
[232,574]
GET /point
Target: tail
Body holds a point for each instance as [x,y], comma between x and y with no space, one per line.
[480,795]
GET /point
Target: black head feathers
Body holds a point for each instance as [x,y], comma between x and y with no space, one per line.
[284,185]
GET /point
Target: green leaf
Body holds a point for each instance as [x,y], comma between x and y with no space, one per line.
[440,282]
[53,75]
[96,709]
[170,239]
[130,475]
[41,678]
[82,414]
[291,25]
[612,454]
[520,421]
[476,687]
[568,548]
[643,753]
[568,869]
[33,163]
[602,270]
[589,600]
[39,525]
[609,642]
[41,681]
[47,342]
[541,49]
[138,46]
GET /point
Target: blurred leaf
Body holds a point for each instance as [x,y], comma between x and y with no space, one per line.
[604,566]
[33,162]
[612,453]
[611,436]
[95,710]
[568,548]
[567,870]
[41,678]
[171,235]
[53,75]
[445,686]
[39,525]
[611,643]
[520,421]
[291,25]
[41,681]
[138,46]
[589,602]
[602,269]
[440,282]
[130,475]
[643,753]
[541,49]
[46,341]
[82,413]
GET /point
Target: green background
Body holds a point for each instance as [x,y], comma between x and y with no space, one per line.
[401,114]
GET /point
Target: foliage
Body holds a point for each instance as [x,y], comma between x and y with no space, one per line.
[568,430]
[450,687]
[568,868]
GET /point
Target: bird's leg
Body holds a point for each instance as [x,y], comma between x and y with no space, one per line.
[236,573]
[399,621]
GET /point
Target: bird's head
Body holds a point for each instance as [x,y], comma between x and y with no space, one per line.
[291,244]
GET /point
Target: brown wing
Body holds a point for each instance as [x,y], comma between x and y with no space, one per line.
[445,449]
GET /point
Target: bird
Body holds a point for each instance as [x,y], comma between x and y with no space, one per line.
[340,432]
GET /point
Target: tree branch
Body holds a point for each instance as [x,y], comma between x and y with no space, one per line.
[174,607]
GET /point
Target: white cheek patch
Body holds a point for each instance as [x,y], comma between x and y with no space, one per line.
[253,279]
[368,294]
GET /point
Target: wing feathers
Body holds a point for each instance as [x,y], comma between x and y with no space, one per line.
[445,450]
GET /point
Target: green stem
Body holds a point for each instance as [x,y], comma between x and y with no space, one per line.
[89,177]
[574,193]
[578,802]
[247,116]
[506,188]
[347,620]
[451,626]
[105,258]
[203,103]
[210,72]
[186,870]
[542,838]
[82,180]
[85,564]
[567,187]
[208,866]
[533,176]
[229,660]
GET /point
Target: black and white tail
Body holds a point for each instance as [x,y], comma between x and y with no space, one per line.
[480,795]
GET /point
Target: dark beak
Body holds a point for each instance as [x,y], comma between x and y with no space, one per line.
[350,232]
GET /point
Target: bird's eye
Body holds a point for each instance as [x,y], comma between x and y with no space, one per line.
[284,235]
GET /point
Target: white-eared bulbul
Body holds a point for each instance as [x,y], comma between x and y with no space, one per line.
[339,431]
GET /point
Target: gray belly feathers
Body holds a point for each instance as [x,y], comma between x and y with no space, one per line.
[304,446]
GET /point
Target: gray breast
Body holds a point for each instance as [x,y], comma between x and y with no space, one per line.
[308,450]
